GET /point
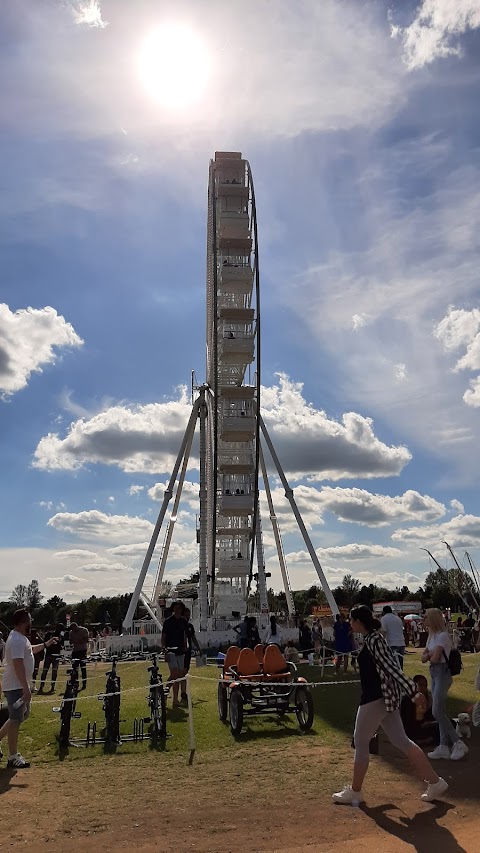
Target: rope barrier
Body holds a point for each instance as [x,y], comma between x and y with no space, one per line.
[186,677]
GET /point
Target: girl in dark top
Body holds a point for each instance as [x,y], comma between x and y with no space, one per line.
[383,683]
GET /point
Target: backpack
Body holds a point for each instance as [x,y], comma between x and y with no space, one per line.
[454,662]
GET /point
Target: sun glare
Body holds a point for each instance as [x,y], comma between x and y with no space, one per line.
[175,66]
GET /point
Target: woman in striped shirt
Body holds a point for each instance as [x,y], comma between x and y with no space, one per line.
[383,685]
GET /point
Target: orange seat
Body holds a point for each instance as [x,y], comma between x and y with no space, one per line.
[259,651]
[275,666]
[231,659]
[248,667]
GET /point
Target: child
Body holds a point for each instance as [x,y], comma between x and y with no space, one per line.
[291,653]
[417,716]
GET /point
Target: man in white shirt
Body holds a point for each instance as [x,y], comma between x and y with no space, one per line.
[392,627]
[16,681]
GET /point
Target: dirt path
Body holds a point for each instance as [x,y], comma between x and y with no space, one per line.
[278,801]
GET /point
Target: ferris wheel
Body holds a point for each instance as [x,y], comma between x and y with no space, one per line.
[232,460]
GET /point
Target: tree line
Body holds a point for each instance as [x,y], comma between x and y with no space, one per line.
[442,588]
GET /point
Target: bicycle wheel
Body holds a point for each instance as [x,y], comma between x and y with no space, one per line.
[66,712]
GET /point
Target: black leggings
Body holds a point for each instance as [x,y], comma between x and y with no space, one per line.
[53,662]
[83,666]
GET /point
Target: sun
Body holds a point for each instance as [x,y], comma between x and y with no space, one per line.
[175,66]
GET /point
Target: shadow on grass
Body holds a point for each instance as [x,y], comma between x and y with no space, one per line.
[274,728]
[422,831]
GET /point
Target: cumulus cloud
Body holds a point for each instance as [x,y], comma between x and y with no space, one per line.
[66,579]
[190,493]
[135,489]
[462,531]
[400,372]
[103,567]
[95,525]
[460,329]
[129,551]
[147,438]
[357,506]
[355,551]
[136,438]
[364,507]
[28,338]
[360,320]
[88,12]
[457,506]
[74,554]
[436,29]
[311,444]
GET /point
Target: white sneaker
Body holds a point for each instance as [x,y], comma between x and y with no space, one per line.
[18,762]
[348,797]
[435,790]
[441,751]
[459,750]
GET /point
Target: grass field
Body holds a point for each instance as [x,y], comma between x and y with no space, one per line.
[335,708]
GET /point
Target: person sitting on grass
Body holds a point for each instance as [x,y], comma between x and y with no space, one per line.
[382,683]
[417,716]
[174,641]
[291,653]
[17,677]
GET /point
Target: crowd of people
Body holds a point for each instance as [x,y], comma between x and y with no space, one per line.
[410,711]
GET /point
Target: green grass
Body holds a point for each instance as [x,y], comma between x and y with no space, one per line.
[335,708]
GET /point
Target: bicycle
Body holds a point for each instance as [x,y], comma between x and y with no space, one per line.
[111,705]
[67,709]
[156,701]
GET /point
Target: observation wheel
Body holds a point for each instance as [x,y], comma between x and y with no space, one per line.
[233,376]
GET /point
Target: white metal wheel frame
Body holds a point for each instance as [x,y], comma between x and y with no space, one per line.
[228,409]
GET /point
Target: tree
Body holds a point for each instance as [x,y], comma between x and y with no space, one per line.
[351,588]
[19,595]
[34,596]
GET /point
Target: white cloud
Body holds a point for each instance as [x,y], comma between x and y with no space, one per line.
[461,329]
[457,506]
[136,438]
[88,12]
[147,438]
[66,579]
[74,554]
[363,507]
[129,551]
[46,504]
[435,30]
[28,338]
[111,499]
[462,531]
[360,320]
[190,493]
[95,525]
[355,551]
[311,444]
[135,489]
[400,372]
[103,567]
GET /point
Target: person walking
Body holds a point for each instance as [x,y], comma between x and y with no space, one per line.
[317,637]
[52,657]
[304,637]
[342,633]
[437,653]
[191,642]
[78,638]
[36,640]
[242,632]
[392,627]
[174,641]
[383,684]
[16,681]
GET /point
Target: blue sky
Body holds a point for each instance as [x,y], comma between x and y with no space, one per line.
[360,121]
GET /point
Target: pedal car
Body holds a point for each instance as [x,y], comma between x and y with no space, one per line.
[262,682]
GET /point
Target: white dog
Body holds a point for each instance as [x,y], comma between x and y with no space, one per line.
[463,726]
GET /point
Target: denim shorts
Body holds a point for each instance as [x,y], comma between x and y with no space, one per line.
[19,714]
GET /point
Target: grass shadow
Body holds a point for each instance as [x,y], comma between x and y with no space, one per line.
[422,831]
